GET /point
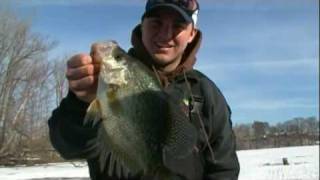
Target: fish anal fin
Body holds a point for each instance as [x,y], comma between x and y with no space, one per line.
[112,164]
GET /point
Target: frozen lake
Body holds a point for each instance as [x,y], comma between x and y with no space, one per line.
[262,164]
[266,164]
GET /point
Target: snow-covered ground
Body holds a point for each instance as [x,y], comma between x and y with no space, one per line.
[263,164]
[266,164]
[52,171]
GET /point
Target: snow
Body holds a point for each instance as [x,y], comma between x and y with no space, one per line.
[266,164]
[51,170]
[262,164]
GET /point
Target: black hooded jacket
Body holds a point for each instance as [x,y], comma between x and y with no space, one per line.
[70,137]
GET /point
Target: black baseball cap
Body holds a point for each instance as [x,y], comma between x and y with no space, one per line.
[187,8]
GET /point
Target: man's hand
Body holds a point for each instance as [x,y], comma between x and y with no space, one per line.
[82,74]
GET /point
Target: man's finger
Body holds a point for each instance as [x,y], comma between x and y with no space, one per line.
[82,71]
[79,60]
[83,84]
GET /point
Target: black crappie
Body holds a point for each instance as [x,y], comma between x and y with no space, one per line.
[141,125]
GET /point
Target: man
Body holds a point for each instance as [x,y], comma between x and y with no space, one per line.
[166,41]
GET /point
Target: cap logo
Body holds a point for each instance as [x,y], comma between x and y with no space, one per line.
[195,16]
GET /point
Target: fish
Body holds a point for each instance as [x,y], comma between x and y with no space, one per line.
[142,125]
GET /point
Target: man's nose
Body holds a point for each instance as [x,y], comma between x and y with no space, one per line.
[165,32]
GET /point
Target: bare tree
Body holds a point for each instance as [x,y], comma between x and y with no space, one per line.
[23,74]
[59,79]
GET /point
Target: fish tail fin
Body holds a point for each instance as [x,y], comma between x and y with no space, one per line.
[93,113]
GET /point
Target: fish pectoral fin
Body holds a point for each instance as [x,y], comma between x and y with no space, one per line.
[93,113]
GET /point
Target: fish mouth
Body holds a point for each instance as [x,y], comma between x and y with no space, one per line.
[112,91]
[113,87]
[116,78]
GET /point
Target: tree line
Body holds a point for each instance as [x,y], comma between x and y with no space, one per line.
[31,84]
[295,132]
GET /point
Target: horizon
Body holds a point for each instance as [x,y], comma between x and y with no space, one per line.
[264,56]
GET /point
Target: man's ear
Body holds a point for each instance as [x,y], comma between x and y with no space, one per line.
[192,34]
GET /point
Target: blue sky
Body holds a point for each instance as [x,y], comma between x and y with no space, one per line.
[262,54]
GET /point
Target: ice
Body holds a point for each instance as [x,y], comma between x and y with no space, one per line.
[267,164]
[46,171]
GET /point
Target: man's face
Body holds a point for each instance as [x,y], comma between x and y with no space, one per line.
[165,35]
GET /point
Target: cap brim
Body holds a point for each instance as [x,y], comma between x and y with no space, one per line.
[183,14]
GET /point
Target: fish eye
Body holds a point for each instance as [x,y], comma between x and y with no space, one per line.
[118,54]
[117,57]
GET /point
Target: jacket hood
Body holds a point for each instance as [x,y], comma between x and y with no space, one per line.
[187,62]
